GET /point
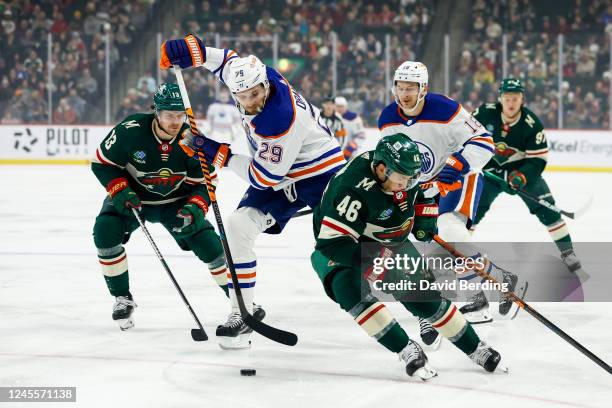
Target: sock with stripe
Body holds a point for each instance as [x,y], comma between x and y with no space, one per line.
[446,318]
[370,314]
[245,271]
[218,270]
[560,234]
[113,262]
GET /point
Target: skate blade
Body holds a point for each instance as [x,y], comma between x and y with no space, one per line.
[125,324]
[425,373]
[240,342]
[479,317]
[503,369]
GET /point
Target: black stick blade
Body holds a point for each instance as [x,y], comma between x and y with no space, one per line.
[198,335]
[277,335]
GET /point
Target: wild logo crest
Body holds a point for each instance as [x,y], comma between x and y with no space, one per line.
[162,182]
[397,233]
[503,152]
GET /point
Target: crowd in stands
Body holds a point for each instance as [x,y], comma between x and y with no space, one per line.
[78,56]
[532,30]
[305,29]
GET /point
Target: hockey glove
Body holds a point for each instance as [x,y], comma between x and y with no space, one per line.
[193,215]
[348,151]
[425,221]
[449,178]
[517,179]
[122,196]
[186,52]
[216,154]
[375,256]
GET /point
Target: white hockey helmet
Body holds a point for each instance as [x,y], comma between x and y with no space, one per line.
[412,71]
[341,101]
[246,73]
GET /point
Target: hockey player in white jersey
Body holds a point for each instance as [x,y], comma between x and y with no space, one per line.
[454,147]
[294,157]
[223,116]
[355,132]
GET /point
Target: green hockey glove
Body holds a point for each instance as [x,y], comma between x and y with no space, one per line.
[122,196]
[425,221]
[517,179]
[193,215]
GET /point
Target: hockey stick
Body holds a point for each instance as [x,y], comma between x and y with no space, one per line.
[280,336]
[302,213]
[542,202]
[523,305]
[196,334]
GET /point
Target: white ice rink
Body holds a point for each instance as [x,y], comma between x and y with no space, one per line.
[56,330]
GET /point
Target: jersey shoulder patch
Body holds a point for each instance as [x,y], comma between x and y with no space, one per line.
[532,120]
[390,116]
[438,108]
[278,114]
[348,115]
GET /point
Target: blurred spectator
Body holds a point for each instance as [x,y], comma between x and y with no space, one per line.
[64,114]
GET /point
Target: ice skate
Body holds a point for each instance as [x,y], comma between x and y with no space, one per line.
[476,310]
[416,362]
[488,358]
[507,307]
[122,312]
[429,336]
[570,260]
[234,334]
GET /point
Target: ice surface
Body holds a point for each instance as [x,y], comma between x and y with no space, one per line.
[56,330]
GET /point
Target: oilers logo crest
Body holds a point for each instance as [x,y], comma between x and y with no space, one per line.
[427,158]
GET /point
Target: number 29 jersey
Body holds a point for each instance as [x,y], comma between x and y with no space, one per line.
[288,138]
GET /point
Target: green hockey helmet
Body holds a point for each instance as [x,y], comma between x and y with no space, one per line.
[399,154]
[168,97]
[511,85]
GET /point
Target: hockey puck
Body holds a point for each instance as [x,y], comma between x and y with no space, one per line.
[247,372]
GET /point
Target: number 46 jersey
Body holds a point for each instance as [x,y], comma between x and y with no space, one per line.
[355,209]
[442,128]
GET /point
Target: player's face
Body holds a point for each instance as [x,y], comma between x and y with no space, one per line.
[511,103]
[328,108]
[341,109]
[394,181]
[252,100]
[171,121]
[406,93]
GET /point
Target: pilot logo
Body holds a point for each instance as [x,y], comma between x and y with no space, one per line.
[24,140]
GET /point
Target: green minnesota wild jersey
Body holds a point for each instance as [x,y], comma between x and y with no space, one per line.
[518,146]
[355,209]
[159,172]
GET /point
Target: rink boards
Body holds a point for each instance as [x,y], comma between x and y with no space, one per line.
[569,150]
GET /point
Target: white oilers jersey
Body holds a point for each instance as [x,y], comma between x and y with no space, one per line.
[288,138]
[443,127]
[354,127]
[222,116]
